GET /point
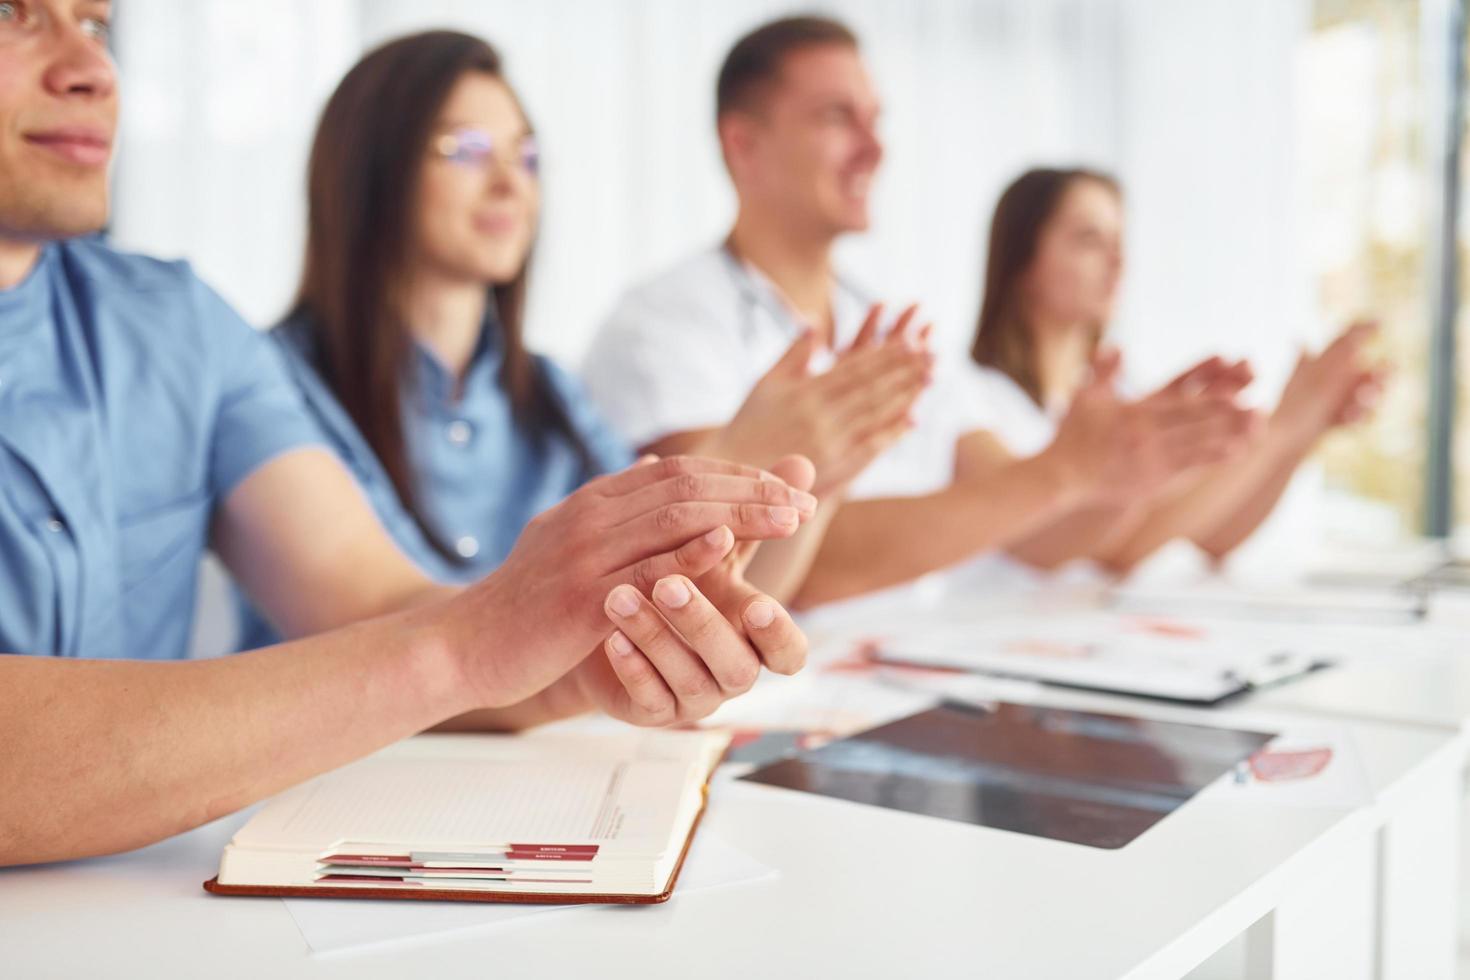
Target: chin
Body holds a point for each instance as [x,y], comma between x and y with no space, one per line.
[71,217]
[497,270]
[850,220]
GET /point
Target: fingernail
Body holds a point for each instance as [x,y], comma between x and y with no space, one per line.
[672,592]
[760,614]
[716,538]
[804,500]
[783,516]
[620,644]
[624,601]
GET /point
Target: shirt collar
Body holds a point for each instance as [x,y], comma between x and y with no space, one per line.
[435,383]
[848,310]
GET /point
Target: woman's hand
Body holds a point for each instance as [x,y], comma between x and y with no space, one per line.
[1123,452]
[1334,388]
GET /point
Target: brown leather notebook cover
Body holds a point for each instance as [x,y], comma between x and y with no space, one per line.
[463,894]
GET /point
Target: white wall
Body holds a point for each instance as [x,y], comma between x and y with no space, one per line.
[1190,102]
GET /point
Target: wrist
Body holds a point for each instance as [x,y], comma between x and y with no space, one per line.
[1063,479]
[1287,438]
[448,643]
[433,668]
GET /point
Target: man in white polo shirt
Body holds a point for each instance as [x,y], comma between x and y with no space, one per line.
[797,117]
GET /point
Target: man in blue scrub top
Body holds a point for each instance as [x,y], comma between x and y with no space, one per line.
[140,419]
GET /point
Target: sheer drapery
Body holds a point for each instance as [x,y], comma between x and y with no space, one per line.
[1190,103]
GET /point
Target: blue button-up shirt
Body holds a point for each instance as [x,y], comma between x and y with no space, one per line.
[480,475]
[132,401]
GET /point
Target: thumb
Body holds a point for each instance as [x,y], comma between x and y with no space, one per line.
[1106,364]
[793,363]
[797,471]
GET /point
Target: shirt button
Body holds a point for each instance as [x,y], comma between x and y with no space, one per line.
[467,547]
[459,432]
[55,526]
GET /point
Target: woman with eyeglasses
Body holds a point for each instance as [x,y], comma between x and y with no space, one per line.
[406,334]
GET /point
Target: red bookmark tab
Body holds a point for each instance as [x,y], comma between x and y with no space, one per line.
[1275,767]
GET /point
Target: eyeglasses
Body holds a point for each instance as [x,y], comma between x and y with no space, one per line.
[471,147]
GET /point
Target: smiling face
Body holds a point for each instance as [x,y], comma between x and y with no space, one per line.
[810,148]
[58,117]
[478,196]
[1078,264]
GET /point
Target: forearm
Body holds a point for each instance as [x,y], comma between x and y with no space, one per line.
[102,756]
[780,568]
[1085,533]
[1218,508]
[1239,521]
[874,544]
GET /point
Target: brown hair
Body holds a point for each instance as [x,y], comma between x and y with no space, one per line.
[365,167]
[1003,339]
[755,60]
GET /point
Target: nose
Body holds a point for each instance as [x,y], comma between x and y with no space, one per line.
[80,67]
[872,143]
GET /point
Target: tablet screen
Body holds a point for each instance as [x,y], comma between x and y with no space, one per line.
[1093,779]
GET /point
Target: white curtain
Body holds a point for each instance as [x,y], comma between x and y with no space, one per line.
[1190,103]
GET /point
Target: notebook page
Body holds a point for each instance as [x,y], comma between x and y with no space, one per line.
[477,792]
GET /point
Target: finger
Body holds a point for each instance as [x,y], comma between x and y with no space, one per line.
[710,488]
[695,558]
[647,695]
[848,395]
[781,645]
[1106,364]
[1210,439]
[796,470]
[899,331]
[1193,380]
[1183,410]
[924,335]
[857,372]
[642,474]
[795,362]
[744,552]
[868,333]
[670,526]
[886,397]
[725,653]
[1230,380]
[695,690]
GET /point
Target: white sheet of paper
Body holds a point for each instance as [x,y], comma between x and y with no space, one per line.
[1342,784]
[334,926]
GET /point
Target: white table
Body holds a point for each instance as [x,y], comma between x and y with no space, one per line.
[1414,675]
[956,901]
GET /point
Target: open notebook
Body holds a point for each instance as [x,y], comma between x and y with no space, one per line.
[1171,659]
[548,817]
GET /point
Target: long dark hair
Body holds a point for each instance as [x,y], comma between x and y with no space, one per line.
[1003,338]
[366,163]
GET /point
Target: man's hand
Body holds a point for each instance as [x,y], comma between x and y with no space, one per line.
[533,619]
[841,420]
[680,652]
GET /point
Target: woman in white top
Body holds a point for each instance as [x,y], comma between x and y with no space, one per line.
[1052,274]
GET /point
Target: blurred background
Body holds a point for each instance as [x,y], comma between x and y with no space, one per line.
[1288,165]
